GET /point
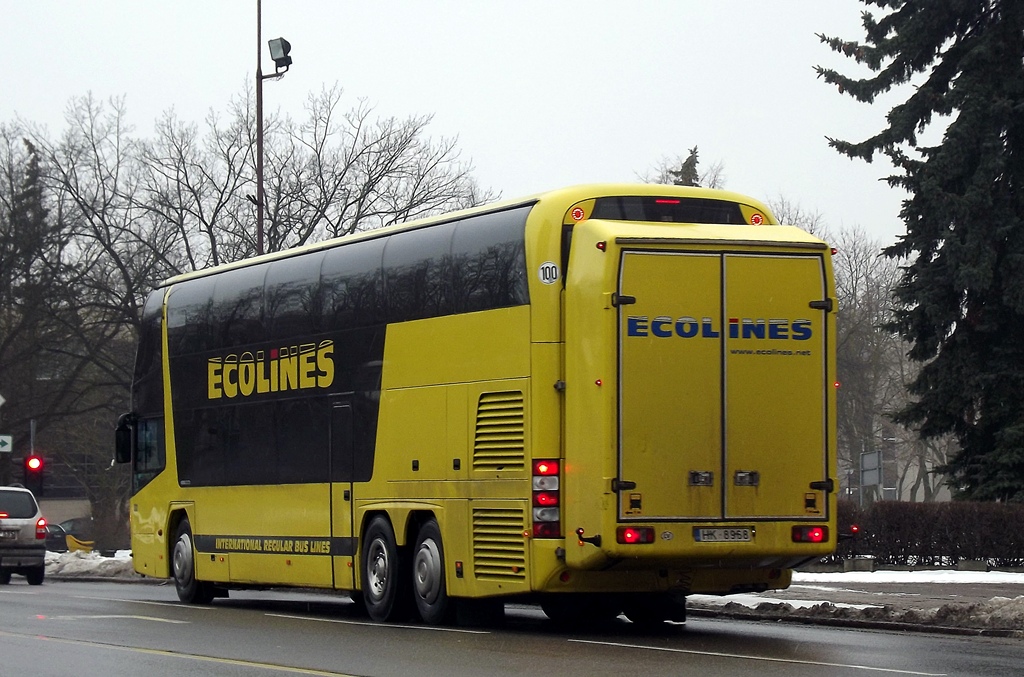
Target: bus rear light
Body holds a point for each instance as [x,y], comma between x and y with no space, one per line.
[804,534]
[545,468]
[546,530]
[547,517]
[631,535]
[40,528]
[545,483]
[545,498]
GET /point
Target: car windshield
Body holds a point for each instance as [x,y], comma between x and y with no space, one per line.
[17,504]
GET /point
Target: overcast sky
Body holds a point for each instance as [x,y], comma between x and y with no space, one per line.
[540,94]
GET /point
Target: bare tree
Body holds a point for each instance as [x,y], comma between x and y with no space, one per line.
[328,175]
[789,212]
[874,372]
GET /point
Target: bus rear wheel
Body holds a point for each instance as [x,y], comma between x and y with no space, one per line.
[429,589]
[385,590]
[183,569]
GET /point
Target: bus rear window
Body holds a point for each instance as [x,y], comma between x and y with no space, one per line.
[667,209]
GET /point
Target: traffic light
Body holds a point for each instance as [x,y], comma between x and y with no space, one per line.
[33,474]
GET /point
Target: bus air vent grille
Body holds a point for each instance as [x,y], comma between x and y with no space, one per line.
[500,426]
[499,547]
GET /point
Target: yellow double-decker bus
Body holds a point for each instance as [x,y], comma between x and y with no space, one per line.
[600,399]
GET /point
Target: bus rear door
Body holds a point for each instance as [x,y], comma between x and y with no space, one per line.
[722,386]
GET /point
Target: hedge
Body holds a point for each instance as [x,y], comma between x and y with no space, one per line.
[934,534]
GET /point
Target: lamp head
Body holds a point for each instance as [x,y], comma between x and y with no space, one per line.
[279,48]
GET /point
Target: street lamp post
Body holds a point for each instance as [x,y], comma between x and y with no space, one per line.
[279,49]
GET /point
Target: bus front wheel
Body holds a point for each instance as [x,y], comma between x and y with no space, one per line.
[429,589]
[384,593]
[183,569]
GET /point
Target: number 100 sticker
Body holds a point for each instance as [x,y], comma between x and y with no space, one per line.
[548,272]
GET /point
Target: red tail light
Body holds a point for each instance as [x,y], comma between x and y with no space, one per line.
[631,535]
[805,534]
[547,516]
[41,528]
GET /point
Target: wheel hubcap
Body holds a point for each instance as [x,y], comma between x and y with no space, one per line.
[182,560]
[427,568]
[377,569]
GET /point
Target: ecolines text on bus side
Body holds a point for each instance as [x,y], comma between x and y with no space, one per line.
[300,367]
[664,326]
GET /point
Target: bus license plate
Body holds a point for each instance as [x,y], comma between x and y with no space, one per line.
[721,535]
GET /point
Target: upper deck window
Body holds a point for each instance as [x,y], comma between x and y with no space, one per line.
[667,209]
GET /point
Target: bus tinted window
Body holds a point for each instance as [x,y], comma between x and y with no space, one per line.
[352,285]
[294,300]
[147,393]
[416,272]
[668,209]
[190,316]
[489,261]
[238,307]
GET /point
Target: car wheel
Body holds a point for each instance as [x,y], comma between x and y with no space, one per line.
[35,575]
[428,584]
[183,569]
[5,577]
[385,594]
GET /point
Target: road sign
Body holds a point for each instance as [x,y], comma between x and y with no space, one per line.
[6,444]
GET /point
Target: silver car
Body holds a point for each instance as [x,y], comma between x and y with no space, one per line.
[22,536]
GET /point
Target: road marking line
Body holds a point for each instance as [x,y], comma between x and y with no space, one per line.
[761,658]
[87,617]
[174,654]
[175,605]
[383,625]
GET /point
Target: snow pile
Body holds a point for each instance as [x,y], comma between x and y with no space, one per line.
[995,614]
[79,564]
[998,613]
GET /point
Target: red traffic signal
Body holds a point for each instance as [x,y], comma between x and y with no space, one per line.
[33,474]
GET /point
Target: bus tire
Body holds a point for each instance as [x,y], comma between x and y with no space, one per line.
[385,594]
[428,583]
[183,569]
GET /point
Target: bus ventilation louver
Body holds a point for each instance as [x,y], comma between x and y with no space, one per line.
[499,550]
[499,440]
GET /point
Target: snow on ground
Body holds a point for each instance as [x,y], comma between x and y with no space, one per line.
[81,564]
[922,576]
[998,613]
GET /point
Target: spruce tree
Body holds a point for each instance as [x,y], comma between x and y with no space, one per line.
[687,174]
[960,301]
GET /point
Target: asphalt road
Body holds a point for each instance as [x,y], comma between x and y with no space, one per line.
[68,628]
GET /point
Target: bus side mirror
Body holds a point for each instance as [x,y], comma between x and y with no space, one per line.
[123,437]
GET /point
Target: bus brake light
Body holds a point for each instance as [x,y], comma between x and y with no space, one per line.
[631,535]
[545,467]
[805,534]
